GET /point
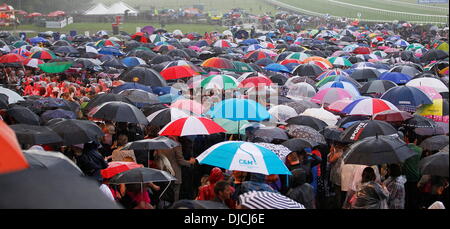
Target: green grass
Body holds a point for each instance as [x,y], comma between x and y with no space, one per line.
[396,7]
[127,27]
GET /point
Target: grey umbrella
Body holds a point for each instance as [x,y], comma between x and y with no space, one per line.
[119,112]
[305,132]
[54,161]
[435,143]
[160,142]
[436,164]
[35,135]
[141,175]
[140,96]
[271,133]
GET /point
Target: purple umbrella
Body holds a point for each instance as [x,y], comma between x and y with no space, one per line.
[148,29]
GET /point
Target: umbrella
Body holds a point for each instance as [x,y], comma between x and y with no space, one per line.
[119,112]
[117,167]
[143,53]
[392,116]
[440,128]
[349,87]
[191,126]
[142,175]
[396,77]
[438,108]
[267,200]
[177,72]
[271,133]
[305,132]
[51,190]
[66,50]
[256,55]
[434,83]
[127,86]
[340,62]
[217,62]
[265,62]
[3,101]
[298,144]
[332,134]
[362,129]
[330,95]
[255,81]
[143,75]
[365,74]
[368,106]
[31,62]
[74,131]
[189,105]
[307,70]
[165,116]
[282,112]
[12,58]
[313,122]
[160,142]
[139,96]
[23,115]
[337,78]
[55,67]
[321,114]
[406,98]
[276,68]
[435,143]
[378,150]
[43,55]
[54,161]
[436,165]
[11,157]
[132,61]
[377,87]
[35,135]
[243,156]
[405,69]
[239,109]
[106,97]
[433,55]
[13,97]
[301,105]
[223,82]
[301,91]
[58,113]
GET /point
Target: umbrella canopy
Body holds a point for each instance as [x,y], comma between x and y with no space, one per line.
[239,109]
[365,74]
[439,107]
[301,91]
[243,156]
[313,122]
[58,113]
[217,62]
[223,82]
[274,67]
[339,105]
[23,115]
[12,58]
[298,144]
[282,112]
[189,105]
[55,67]
[378,150]
[191,126]
[35,135]
[396,77]
[434,83]
[321,114]
[307,70]
[377,87]
[330,95]
[54,161]
[119,112]
[255,81]
[143,75]
[368,106]
[406,98]
[13,97]
[141,175]
[11,157]
[51,190]
[106,97]
[132,61]
[305,132]
[177,72]
[405,69]
[267,200]
[165,116]
[340,62]
[271,133]
[117,167]
[280,150]
[160,142]
[349,87]
[436,165]
[392,116]
[74,131]
[32,62]
[435,143]
[139,96]
[44,55]
[362,129]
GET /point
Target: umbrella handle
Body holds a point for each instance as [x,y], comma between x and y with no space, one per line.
[162,193]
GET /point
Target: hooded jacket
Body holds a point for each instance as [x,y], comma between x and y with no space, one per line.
[301,191]
[206,192]
[91,161]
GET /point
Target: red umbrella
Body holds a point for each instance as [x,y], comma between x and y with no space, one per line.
[140,36]
[290,61]
[191,126]
[255,81]
[256,55]
[56,13]
[35,14]
[177,72]
[11,158]
[361,50]
[217,62]
[393,116]
[11,58]
[21,12]
[117,167]
[164,48]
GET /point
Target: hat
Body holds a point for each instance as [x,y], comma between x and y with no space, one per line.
[79,146]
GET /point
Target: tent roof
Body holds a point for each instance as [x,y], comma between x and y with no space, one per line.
[97,10]
[116,8]
[120,7]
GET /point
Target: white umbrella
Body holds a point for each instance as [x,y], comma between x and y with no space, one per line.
[13,97]
[282,112]
[321,114]
[438,85]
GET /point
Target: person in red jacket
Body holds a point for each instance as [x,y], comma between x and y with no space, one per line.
[206,192]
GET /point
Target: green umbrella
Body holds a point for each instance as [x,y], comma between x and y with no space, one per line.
[241,67]
[223,82]
[20,43]
[55,67]
[231,126]
[143,48]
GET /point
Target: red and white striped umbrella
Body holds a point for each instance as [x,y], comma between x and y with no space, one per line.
[32,62]
[368,106]
[191,126]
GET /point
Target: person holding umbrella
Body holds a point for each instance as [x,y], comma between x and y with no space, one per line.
[90,160]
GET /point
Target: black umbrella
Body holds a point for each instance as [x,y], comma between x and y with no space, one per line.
[141,175]
[352,118]
[279,79]
[106,97]
[178,53]
[405,69]
[433,54]
[377,87]
[160,142]
[364,129]
[305,132]
[146,55]
[149,109]
[332,134]
[436,165]
[315,123]
[283,56]
[356,59]
[23,115]
[54,161]
[61,43]
[165,116]
[3,101]
[295,48]
[271,133]
[419,121]
[298,144]
[35,135]
[143,75]
[435,143]
[301,105]
[119,112]
[114,63]
[160,59]
[66,50]
[51,190]
[365,74]
[440,129]
[140,96]
[190,52]
[74,131]
[378,150]
[307,70]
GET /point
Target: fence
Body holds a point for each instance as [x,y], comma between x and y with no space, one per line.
[59,24]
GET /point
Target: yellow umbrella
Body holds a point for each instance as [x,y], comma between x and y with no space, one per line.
[443,46]
[443,71]
[432,109]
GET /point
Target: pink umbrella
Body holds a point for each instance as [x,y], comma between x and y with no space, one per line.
[330,95]
[339,105]
[391,50]
[189,105]
[431,92]
[195,48]
[383,47]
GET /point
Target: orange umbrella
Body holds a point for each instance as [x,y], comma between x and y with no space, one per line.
[11,156]
[317,58]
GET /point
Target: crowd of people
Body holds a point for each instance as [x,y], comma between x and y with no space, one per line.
[319,179]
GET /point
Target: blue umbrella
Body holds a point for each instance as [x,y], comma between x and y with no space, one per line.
[36,40]
[291,66]
[108,50]
[406,98]
[132,61]
[239,109]
[243,156]
[264,62]
[130,85]
[276,68]
[349,87]
[201,43]
[250,42]
[165,90]
[169,98]
[58,113]
[396,77]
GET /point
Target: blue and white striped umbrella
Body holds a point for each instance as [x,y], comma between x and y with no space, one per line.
[243,156]
[402,43]
[267,200]
[350,88]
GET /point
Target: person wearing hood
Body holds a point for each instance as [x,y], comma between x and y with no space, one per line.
[395,184]
[206,192]
[257,182]
[91,161]
[300,190]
